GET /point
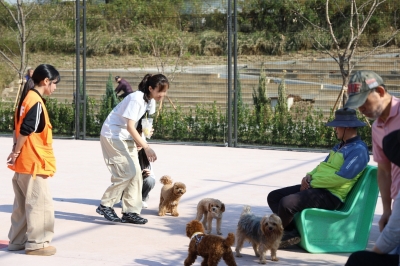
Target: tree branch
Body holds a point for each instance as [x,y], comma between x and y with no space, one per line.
[328,20]
[9,61]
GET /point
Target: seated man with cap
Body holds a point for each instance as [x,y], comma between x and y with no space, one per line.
[123,86]
[327,185]
[386,250]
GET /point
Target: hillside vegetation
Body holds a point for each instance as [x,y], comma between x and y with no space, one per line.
[178,28]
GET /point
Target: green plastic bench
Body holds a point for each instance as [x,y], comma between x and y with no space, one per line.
[346,229]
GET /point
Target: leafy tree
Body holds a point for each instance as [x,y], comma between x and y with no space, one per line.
[108,102]
[260,100]
[282,106]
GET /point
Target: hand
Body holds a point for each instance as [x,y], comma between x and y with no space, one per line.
[12,158]
[151,155]
[384,220]
[305,183]
[151,132]
[145,173]
[138,147]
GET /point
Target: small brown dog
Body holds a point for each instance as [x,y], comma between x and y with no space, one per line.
[210,208]
[170,196]
[212,248]
[263,233]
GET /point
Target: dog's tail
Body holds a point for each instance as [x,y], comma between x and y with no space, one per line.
[230,240]
[166,180]
[246,210]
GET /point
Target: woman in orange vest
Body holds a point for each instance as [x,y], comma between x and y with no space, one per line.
[32,159]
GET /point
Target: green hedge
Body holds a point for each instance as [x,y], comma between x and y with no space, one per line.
[299,127]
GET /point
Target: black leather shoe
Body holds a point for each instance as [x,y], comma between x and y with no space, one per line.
[133,218]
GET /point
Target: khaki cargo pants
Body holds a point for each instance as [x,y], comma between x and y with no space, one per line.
[32,218]
[121,158]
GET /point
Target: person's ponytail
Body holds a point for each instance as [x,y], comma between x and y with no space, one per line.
[153,81]
[27,86]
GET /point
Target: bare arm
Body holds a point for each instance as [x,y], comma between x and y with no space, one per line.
[377,250]
[138,139]
[384,183]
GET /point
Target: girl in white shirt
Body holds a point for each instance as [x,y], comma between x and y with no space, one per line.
[118,136]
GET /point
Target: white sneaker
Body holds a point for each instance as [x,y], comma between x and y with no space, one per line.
[144,205]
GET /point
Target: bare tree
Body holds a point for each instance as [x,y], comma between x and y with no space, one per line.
[167,47]
[18,14]
[357,21]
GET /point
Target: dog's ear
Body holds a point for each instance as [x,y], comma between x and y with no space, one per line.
[222,207]
[188,229]
[209,207]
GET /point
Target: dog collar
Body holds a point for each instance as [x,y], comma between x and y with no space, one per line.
[195,234]
[197,238]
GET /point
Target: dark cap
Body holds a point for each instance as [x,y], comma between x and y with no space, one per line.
[345,117]
[391,147]
[360,84]
[116,78]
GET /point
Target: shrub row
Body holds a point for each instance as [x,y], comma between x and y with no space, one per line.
[301,127]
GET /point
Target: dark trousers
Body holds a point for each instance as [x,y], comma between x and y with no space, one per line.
[148,184]
[368,258]
[288,201]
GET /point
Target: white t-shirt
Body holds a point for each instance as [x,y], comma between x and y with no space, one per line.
[131,107]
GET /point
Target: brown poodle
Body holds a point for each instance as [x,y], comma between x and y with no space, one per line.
[264,233]
[210,209]
[170,196]
[211,247]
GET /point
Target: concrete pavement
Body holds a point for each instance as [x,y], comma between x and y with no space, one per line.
[236,176]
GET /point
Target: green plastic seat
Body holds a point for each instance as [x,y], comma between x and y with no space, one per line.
[346,229]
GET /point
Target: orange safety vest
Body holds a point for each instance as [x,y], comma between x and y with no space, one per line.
[36,157]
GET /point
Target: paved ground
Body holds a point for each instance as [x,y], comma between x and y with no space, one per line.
[236,176]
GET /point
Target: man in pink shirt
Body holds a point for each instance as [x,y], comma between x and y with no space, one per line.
[367,92]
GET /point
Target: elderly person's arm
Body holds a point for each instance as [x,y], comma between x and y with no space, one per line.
[119,87]
[390,236]
[384,183]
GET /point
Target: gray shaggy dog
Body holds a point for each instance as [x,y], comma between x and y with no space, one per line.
[264,233]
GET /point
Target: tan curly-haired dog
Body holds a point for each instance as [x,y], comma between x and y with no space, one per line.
[170,196]
[264,233]
[211,247]
[210,209]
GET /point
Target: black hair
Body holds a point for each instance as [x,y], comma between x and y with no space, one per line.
[40,73]
[153,81]
[143,160]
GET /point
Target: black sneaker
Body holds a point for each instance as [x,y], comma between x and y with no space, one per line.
[290,238]
[108,213]
[133,218]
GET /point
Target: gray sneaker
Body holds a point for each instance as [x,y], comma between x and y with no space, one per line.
[290,238]
[108,213]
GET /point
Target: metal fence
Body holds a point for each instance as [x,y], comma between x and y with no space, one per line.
[197,63]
